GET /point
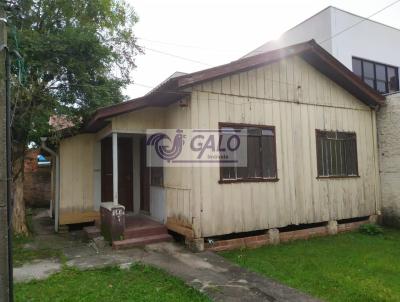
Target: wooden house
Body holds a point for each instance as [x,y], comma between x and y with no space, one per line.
[322,119]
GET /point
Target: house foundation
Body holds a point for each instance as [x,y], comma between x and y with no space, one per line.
[195,245]
[275,236]
[332,227]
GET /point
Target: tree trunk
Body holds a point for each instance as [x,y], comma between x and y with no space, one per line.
[19,215]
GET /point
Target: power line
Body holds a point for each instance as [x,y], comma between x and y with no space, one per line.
[226,50]
[178,57]
[186,45]
[143,85]
[350,27]
[206,64]
[359,22]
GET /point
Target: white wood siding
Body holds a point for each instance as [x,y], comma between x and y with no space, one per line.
[77,173]
[177,182]
[296,99]
[139,121]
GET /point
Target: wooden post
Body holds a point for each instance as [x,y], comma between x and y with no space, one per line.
[115,167]
[5,276]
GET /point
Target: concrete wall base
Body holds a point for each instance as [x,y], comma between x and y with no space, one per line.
[195,245]
[390,217]
[274,236]
[332,227]
[374,219]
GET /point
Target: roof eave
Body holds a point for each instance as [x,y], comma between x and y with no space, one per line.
[171,90]
[163,96]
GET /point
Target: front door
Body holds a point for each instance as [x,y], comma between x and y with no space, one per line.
[125,172]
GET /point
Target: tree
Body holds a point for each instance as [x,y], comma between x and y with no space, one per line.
[77,57]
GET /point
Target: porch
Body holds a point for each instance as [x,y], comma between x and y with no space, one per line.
[124,176]
[132,208]
[138,230]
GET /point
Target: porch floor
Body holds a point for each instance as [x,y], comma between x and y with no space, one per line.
[139,230]
[139,221]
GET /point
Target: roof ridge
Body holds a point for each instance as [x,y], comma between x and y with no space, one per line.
[173,89]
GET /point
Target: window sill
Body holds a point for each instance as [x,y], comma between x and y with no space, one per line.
[230,181]
[337,177]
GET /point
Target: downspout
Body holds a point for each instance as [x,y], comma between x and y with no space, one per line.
[57,182]
[378,208]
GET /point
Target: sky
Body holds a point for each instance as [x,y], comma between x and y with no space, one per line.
[191,35]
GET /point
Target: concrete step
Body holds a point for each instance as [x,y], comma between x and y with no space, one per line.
[91,232]
[132,242]
[137,232]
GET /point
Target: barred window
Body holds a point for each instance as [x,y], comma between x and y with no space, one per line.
[336,154]
[261,155]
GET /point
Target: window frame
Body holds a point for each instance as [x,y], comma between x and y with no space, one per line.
[317,135]
[375,80]
[151,182]
[250,179]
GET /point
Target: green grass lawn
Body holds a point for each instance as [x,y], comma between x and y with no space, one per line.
[25,250]
[139,283]
[23,254]
[346,267]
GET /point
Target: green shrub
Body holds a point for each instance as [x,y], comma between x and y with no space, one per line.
[371,229]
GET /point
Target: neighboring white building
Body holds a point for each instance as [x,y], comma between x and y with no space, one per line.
[348,38]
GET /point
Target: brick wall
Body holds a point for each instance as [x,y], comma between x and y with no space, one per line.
[37,181]
[237,243]
[302,234]
[388,123]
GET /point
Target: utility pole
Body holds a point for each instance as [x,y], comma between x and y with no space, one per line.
[5,280]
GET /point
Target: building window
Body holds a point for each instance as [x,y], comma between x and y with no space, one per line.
[336,154]
[261,155]
[157,176]
[381,77]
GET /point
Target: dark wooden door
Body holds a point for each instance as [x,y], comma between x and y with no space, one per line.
[125,172]
[144,178]
[106,170]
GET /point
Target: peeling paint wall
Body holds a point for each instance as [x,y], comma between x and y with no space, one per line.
[388,122]
[270,95]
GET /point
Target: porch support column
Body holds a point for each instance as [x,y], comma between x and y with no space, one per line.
[115,167]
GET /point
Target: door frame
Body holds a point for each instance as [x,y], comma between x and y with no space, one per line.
[106,185]
[144,179]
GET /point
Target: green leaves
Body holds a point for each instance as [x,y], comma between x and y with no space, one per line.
[78,55]
[371,229]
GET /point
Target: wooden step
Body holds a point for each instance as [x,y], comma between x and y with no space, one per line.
[136,232]
[91,232]
[140,241]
